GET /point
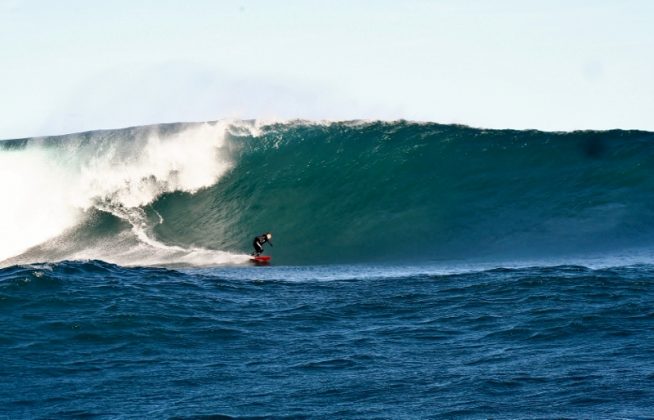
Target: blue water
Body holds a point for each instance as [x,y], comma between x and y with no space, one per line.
[419,270]
[91,339]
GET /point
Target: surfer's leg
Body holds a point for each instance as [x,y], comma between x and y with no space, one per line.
[257,248]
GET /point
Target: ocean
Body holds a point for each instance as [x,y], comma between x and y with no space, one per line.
[419,270]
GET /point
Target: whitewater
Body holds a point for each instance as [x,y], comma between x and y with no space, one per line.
[68,179]
[420,270]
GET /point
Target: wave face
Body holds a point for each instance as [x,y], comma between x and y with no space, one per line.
[330,192]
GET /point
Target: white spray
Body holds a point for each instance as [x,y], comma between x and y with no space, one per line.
[50,188]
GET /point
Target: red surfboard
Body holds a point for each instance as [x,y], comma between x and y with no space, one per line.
[261,259]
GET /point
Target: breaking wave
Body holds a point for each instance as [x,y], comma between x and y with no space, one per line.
[195,194]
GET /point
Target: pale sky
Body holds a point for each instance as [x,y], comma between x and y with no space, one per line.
[75,65]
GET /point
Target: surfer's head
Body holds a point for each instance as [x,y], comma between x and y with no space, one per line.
[269,235]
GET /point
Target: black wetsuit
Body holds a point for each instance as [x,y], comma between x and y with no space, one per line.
[258,243]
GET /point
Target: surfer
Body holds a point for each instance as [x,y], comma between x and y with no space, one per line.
[259,241]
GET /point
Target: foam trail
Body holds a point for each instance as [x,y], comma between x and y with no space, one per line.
[153,252]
